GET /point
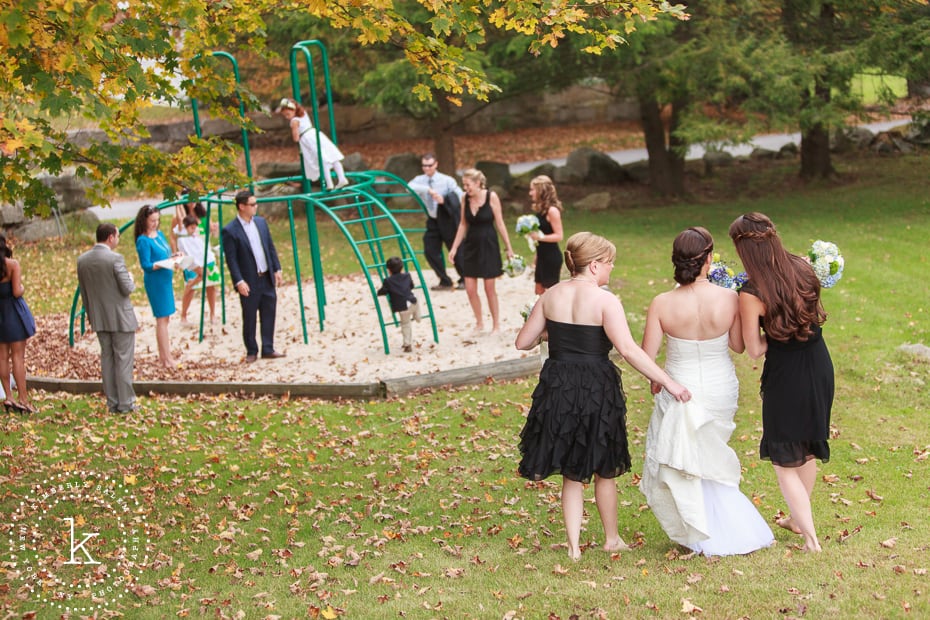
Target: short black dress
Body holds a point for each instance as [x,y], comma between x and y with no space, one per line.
[16,321]
[481,251]
[576,426]
[797,397]
[548,257]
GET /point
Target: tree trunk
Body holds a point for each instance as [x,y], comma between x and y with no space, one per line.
[666,173]
[816,162]
[815,140]
[443,135]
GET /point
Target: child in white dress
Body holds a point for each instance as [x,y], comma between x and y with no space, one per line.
[303,133]
[192,244]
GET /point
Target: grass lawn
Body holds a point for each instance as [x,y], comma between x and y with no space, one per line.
[410,507]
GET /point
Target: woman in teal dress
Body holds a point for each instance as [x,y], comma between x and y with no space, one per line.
[152,247]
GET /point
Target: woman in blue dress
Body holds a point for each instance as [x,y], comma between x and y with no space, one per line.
[152,247]
[16,326]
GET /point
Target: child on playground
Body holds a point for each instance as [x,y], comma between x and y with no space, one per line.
[193,245]
[399,289]
[304,135]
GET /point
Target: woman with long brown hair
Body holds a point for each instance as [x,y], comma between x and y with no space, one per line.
[548,208]
[781,317]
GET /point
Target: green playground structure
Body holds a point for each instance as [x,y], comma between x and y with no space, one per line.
[360,211]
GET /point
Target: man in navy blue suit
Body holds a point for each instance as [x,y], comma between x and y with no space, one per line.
[255,270]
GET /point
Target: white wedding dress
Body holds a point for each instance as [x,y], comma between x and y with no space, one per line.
[691,476]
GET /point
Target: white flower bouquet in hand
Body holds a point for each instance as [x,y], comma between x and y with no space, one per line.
[827,262]
[515,266]
[527,224]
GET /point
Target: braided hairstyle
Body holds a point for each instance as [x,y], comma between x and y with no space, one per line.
[785,283]
[689,253]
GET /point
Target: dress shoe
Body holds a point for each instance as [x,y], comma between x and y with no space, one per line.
[408,348]
[442,287]
[250,358]
[129,409]
[273,355]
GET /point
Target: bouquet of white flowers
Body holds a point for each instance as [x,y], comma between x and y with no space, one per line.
[514,266]
[722,274]
[827,262]
[526,309]
[527,224]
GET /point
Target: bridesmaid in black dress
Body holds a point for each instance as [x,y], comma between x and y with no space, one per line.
[781,317]
[477,240]
[16,326]
[548,208]
[576,426]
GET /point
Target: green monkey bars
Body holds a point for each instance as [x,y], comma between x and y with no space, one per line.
[360,211]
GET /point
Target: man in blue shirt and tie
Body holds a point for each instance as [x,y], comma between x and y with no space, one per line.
[442,197]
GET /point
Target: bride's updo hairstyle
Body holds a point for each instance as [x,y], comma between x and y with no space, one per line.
[584,248]
[689,253]
[785,283]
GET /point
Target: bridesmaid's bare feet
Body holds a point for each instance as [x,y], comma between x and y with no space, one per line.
[574,554]
[788,523]
[615,546]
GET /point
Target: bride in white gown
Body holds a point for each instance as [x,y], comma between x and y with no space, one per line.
[691,476]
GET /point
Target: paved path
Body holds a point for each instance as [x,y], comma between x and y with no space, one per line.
[126,209]
[772,142]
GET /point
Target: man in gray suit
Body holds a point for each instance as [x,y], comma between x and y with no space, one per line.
[105,285]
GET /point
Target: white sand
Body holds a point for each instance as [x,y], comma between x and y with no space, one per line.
[350,347]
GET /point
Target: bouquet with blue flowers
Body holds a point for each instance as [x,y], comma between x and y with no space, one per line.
[527,224]
[514,266]
[827,262]
[722,274]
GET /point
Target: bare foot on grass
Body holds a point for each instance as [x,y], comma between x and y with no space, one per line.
[788,523]
[615,546]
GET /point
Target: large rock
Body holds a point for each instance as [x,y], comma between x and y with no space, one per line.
[404,165]
[12,214]
[716,159]
[70,190]
[850,139]
[594,202]
[497,174]
[589,165]
[354,162]
[278,170]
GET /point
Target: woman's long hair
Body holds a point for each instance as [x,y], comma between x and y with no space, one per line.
[546,196]
[141,226]
[5,253]
[785,283]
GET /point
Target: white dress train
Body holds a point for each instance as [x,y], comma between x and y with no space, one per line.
[331,153]
[691,476]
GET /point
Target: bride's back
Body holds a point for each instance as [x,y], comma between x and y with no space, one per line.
[697,311]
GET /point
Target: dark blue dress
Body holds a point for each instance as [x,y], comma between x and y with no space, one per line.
[577,422]
[16,321]
[158,282]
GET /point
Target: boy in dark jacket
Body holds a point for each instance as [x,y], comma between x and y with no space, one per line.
[399,288]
